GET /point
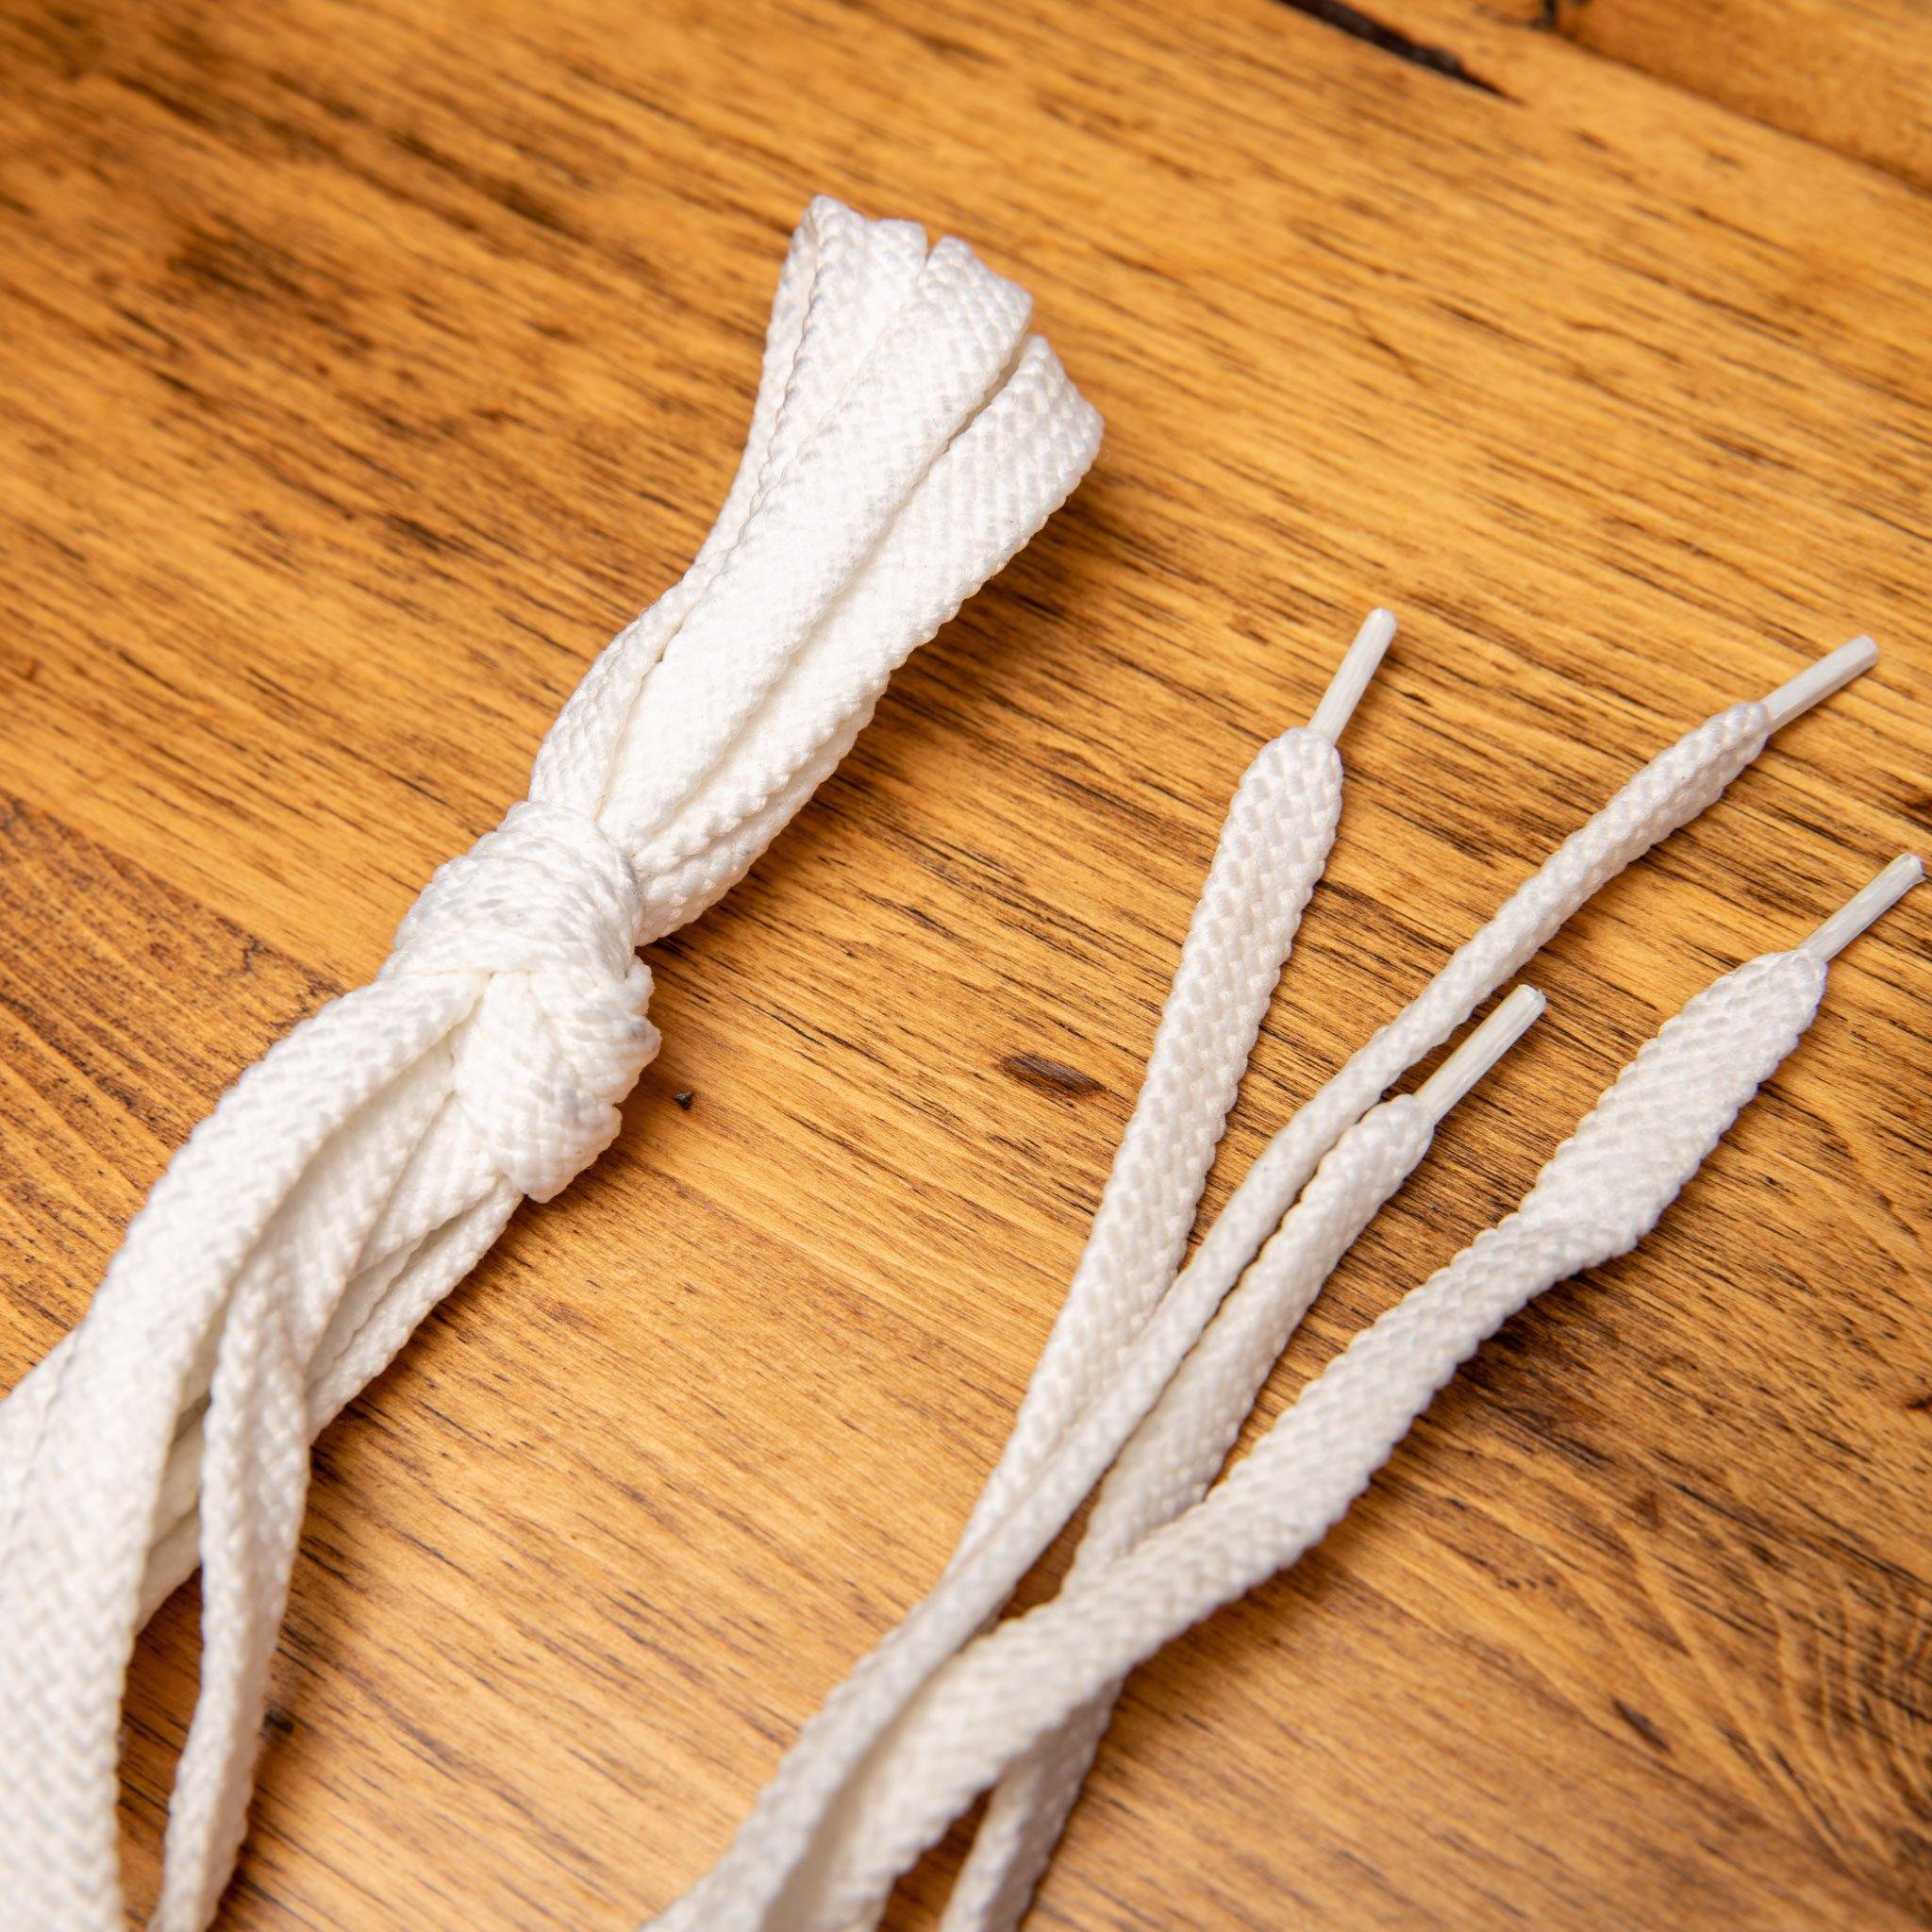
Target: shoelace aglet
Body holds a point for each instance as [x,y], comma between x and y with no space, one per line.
[1831,672]
[1481,1051]
[1352,674]
[1864,907]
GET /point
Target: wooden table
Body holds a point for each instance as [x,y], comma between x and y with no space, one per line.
[365,362]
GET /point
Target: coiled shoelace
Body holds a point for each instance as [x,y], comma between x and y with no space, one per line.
[909,437]
[1130,1321]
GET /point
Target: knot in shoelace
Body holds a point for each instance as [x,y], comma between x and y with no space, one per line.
[543,911]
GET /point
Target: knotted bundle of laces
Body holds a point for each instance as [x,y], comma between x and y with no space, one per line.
[909,437]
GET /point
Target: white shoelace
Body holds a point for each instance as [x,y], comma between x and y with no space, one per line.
[909,438]
[1130,1322]
[1177,1451]
[1032,1683]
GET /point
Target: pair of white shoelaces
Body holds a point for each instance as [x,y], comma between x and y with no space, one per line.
[1152,1366]
[909,437]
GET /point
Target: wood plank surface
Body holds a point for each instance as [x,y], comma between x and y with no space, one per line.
[1854,75]
[364,362]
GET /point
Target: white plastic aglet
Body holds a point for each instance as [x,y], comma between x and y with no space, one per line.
[1352,675]
[1481,1051]
[1830,673]
[1864,907]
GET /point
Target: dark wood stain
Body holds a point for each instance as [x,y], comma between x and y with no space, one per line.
[1056,1077]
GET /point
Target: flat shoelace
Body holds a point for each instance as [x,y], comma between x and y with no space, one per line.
[908,438]
[1272,850]
[1102,1371]
[1177,1451]
[1033,1679]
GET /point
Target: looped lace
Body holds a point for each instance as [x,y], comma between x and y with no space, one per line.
[543,911]
[909,437]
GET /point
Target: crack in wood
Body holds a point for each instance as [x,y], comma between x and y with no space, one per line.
[1389,39]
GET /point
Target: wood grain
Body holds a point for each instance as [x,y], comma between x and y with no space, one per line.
[364,362]
[1854,75]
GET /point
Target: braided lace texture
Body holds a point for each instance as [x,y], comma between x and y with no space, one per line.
[908,438]
[1119,1340]
[1272,850]
[1170,1462]
[1036,1678]
[1167,1467]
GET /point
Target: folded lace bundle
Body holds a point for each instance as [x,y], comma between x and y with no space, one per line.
[1151,1368]
[909,436]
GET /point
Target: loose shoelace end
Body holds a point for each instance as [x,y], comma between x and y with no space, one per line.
[1447,1085]
[1864,907]
[1352,675]
[1830,673]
